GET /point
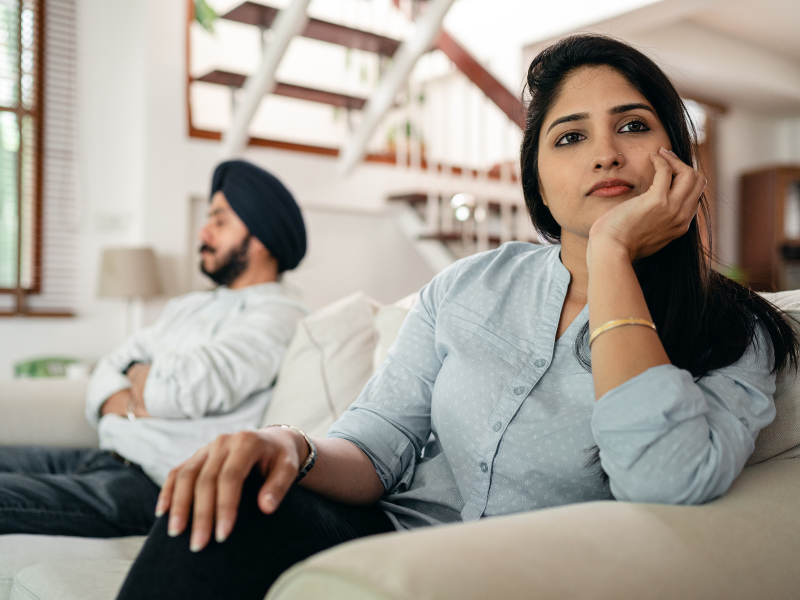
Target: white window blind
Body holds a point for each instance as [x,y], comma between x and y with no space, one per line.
[60,206]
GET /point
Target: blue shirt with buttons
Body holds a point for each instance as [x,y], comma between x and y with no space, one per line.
[480,411]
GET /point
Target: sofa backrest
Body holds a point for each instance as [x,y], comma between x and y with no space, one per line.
[781,439]
[337,348]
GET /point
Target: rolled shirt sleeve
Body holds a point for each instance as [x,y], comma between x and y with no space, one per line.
[391,419]
[666,438]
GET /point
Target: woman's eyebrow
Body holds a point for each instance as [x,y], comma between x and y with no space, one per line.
[568,119]
[622,108]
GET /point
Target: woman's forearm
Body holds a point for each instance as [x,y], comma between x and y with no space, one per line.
[343,473]
[621,353]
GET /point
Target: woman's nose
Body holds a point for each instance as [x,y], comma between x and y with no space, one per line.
[608,156]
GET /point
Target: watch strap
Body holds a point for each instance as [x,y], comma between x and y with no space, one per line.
[308,463]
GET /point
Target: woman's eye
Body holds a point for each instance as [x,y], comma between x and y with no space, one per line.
[569,138]
[634,127]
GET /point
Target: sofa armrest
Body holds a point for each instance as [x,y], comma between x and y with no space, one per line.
[47,412]
[742,546]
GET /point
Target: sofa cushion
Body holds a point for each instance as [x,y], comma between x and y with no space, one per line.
[71,580]
[327,364]
[19,551]
[387,324]
[781,439]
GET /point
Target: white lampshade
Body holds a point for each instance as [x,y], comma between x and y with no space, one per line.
[129,273]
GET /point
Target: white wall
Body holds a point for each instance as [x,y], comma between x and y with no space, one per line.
[139,169]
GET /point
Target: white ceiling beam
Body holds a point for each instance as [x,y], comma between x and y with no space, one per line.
[405,58]
[289,23]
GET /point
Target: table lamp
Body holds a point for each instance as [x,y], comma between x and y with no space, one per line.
[129,273]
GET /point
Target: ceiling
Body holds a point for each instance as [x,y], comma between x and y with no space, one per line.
[733,52]
[771,24]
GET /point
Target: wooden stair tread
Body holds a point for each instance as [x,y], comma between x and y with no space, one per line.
[236,80]
[261,15]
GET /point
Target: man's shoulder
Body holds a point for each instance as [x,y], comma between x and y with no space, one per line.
[271,296]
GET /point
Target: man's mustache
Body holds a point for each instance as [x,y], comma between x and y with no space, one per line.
[207,248]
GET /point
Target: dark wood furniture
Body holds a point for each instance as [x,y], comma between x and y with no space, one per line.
[769,228]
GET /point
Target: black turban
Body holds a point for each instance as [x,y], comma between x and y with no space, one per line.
[266,207]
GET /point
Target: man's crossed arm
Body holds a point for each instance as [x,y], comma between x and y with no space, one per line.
[129,401]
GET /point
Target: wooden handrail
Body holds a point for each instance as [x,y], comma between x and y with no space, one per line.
[511,106]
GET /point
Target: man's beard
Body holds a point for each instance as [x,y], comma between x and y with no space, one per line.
[234,266]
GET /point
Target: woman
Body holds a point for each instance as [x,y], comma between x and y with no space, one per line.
[504,356]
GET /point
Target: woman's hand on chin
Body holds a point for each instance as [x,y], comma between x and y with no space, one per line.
[643,225]
[210,483]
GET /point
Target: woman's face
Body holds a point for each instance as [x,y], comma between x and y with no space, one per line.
[594,148]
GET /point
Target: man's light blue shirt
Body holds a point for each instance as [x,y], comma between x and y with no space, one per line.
[513,413]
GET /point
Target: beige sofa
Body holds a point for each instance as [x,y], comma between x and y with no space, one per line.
[742,546]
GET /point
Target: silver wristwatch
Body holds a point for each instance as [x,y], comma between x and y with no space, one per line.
[312,451]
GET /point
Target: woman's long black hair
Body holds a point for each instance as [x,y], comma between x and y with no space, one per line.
[705,320]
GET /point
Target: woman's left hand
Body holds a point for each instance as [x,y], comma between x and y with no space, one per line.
[643,225]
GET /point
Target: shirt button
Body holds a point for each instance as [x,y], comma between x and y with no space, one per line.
[497,426]
[518,391]
[540,363]
[484,467]
[745,422]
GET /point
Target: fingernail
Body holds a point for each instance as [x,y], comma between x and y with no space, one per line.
[173,530]
[222,531]
[159,512]
[195,544]
[269,502]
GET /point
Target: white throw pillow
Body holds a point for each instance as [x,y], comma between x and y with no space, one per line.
[387,324]
[781,439]
[326,366]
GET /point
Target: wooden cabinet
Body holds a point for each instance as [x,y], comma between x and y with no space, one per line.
[769,228]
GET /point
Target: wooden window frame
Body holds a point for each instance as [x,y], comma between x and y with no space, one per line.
[36,112]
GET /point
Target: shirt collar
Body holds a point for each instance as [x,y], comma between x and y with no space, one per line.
[269,288]
[560,272]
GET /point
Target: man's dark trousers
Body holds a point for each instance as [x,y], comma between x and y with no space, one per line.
[80,492]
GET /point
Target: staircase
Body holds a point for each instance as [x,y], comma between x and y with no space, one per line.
[454,130]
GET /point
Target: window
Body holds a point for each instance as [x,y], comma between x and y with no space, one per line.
[20,147]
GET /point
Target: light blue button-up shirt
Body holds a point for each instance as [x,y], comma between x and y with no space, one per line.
[513,415]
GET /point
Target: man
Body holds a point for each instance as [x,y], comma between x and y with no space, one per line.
[206,367]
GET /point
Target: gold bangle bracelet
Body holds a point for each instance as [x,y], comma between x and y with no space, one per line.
[619,323]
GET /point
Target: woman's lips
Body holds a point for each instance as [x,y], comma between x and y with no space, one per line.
[610,187]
